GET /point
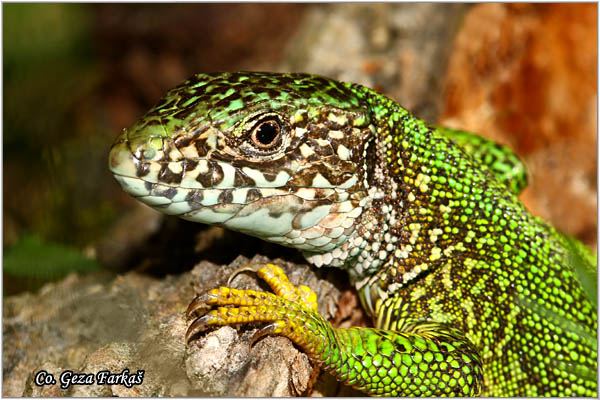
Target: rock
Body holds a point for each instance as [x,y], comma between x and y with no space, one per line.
[400,49]
[137,323]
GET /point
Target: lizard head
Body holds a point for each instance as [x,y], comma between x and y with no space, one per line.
[278,156]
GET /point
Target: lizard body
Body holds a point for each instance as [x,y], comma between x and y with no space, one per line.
[470,293]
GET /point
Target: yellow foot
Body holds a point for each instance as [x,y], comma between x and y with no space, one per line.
[285,309]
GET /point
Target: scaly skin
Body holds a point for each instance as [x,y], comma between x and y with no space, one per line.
[470,294]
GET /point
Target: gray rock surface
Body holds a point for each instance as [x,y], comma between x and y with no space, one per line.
[398,48]
[95,323]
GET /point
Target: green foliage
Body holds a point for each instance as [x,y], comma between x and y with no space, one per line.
[32,257]
[54,136]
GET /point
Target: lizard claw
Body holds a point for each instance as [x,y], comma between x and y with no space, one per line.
[272,328]
[196,327]
[250,267]
[199,302]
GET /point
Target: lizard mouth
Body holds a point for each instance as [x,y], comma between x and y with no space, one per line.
[219,205]
[312,219]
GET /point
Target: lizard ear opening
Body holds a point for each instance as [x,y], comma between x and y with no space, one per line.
[372,162]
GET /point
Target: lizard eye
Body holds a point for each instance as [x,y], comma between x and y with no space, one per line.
[266,134]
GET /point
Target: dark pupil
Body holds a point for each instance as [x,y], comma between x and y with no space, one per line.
[267,133]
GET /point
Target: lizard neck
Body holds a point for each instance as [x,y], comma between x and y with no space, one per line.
[373,244]
[423,203]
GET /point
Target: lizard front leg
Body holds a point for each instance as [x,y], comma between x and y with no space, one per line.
[419,362]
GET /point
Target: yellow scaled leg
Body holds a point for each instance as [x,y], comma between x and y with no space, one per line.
[291,311]
[284,308]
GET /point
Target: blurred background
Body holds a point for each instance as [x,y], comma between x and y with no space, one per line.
[77,74]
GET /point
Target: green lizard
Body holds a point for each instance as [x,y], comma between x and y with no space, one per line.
[470,294]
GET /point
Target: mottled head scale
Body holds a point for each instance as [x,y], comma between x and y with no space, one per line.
[275,155]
